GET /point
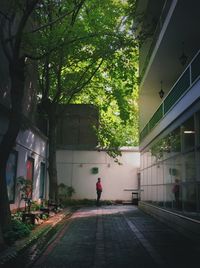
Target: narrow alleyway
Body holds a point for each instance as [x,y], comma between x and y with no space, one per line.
[115,237]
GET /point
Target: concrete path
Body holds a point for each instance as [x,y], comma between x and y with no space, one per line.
[116,237]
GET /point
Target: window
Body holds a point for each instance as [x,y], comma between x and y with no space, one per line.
[189,197]
[189,167]
[11,169]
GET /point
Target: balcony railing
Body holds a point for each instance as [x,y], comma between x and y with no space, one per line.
[184,83]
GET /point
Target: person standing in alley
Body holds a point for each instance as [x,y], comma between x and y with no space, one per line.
[99,190]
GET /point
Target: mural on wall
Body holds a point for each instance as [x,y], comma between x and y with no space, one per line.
[11,169]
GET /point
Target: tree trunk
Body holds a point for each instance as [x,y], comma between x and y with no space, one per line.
[2,244]
[53,182]
[15,118]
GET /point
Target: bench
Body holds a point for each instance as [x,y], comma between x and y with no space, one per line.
[135,195]
[31,217]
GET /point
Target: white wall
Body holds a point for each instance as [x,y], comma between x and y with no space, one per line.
[74,169]
[29,144]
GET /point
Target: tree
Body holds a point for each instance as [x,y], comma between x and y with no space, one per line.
[17,32]
[89,37]
[71,39]
[115,91]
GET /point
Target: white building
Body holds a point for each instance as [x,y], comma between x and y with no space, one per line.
[170,124]
[28,160]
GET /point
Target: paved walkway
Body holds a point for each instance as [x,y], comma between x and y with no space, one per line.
[116,237]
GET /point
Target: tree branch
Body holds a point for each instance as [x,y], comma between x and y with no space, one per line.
[78,89]
[29,9]
[59,87]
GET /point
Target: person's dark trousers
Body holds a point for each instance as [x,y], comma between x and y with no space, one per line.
[98,198]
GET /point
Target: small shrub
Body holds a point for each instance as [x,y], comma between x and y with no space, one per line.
[65,193]
[35,206]
[18,230]
[17,216]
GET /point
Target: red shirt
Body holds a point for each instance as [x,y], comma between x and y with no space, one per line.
[98,186]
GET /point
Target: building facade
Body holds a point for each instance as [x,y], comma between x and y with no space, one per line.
[170,106]
[28,158]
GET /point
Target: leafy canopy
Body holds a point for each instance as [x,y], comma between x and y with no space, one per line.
[91,57]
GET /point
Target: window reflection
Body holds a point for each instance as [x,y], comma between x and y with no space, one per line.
[175,141]
[189,197]
[189,167]
[173,158]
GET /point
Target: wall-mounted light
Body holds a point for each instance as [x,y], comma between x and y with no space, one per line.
[189,132]
[183,58]
[161,92]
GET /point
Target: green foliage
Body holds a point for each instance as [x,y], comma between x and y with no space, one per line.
[168,144]
[76,45]
[65,192]
[25,187]
[35,206]
[86,49]
[18,230]
[86,36]
[114,91]
[114,88]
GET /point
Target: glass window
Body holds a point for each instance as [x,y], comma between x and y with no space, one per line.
[144,160]
[168,195]
[189,167]
[144,193]
[149,177]
[154,193]
[189,197]
[154,174]
[175,141]
[177,165]
[148,158]
[166,147]
[160,179]
[198,196]
[157,151]
[160,194]
[145,181]
[168,167]
[149,198]
[175,160]
[198,127]
[197,165]
[176,193]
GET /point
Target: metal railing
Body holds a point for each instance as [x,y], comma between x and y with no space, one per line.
[184,83]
